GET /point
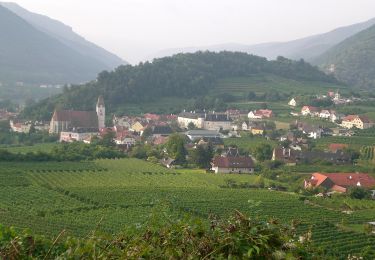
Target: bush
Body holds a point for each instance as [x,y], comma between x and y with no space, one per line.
[238,237]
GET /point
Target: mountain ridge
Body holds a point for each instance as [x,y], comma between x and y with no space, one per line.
[65,34]
[33,56]
[303,48]
[353,60]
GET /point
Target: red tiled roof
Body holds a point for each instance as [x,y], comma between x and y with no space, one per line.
[82,119]
[350,118]
[233,162]
[152,116]
[335,147]
[264,112]
[346,179]
[310,108]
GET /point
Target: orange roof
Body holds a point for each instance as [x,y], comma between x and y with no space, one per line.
[346,179]
[335,147]
[350,118]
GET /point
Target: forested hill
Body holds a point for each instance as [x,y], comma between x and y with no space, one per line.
[182,75]
[354,59]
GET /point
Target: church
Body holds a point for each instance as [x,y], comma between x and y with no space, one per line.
[78,121]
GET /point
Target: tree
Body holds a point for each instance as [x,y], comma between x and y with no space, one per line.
[359,193]
[263,152]
[176,148]
[251,96]
[191,126]
[202,155]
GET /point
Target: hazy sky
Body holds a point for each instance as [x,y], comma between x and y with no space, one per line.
[134,29]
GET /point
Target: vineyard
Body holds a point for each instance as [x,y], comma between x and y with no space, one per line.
[111,195]
[367,153]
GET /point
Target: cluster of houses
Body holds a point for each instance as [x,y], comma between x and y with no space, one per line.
[346,121]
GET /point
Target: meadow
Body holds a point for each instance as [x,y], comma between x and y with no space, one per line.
[112,195]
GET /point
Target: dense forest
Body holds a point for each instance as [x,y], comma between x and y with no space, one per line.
[182,75]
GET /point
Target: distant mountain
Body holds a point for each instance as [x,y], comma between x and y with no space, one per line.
[66,35]
[307,48]
[31,55]
[353,60]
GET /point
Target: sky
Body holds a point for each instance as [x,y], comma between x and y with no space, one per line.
[136,29]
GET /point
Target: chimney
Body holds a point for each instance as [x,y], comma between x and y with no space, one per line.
[350,177]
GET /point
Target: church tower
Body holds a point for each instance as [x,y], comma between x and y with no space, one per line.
[100,111]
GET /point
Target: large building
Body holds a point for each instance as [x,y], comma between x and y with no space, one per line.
[340,182]
[360,122]
[232,162]
[82,121]
[208,121]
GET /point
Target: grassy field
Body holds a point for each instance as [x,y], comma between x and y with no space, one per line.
[260,84]
[110,195]
[45,147]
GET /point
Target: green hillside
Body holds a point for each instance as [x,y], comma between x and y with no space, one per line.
[32,56]
[354,59]
[184,76]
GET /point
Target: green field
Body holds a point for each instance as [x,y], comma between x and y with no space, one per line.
[111,195]
[45,147]
[260,84]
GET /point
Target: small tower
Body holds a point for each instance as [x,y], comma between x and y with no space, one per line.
[100,111]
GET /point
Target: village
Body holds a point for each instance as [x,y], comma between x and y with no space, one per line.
[294,141]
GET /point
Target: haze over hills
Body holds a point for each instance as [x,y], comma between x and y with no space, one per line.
[307,48]
[353,59]
[36,49]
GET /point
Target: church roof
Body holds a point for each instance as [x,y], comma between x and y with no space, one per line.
[79,119]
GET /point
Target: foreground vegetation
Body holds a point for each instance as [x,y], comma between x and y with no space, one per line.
[164,236]
[110,196]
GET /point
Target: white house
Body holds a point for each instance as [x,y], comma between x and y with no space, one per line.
[292,102]
[325,114]
[360,122]
[20,127]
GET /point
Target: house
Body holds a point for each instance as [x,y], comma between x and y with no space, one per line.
[232,162]
[292,102]
[372,225]
[340,182]
[257,131]
[152,117]
[161,130]
[168,162]
[325,114]
[311,131]
[160,140]
[293,157]
[309,111]
[66,120]
[244,126]
[205,120]
[337,147]
[184,119]
[138,127]
[77,135]
[335,116]
[199,134]
[215,121]
[360,122]
[260,114]
[217,142]
[20,126]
